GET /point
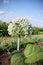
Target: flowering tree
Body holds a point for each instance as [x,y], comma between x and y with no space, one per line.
[19,28]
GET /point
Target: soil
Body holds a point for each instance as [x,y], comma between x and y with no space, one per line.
[41,44]
[5,59]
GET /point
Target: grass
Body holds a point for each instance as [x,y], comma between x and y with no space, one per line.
[9,39]
[40,32]
[6,39]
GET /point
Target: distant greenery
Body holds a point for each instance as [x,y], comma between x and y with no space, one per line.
[4,27]
[37,30]
[36,40]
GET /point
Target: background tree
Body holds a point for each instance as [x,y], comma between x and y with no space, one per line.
[35,30]
[3,28]
[19,28]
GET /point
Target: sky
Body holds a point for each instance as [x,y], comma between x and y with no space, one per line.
[29,9]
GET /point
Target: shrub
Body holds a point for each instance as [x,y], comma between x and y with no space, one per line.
[17,59]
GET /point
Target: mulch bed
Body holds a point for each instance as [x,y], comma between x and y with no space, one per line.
[41,44]
[5,59]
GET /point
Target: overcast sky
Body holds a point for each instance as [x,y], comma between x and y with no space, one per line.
[30,9]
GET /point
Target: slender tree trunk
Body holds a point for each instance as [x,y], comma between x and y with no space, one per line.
[18,44]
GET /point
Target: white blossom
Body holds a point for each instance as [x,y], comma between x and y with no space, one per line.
[18,27]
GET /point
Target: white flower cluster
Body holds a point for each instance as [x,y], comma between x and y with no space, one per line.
[19,27]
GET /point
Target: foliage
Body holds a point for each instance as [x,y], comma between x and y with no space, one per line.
[37,30]
[14,46]
[31,48]
[11,46]
[34,58]
[17,59]
[23,45]
[36,40]
[15,51]
[33,53]
[41,29]
[3,28]
[6,47]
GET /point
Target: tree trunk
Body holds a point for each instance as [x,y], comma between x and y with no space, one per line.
[18,44]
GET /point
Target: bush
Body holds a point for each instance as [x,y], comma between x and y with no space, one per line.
[17,59]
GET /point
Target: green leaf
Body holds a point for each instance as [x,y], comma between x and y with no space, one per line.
[33,53]
[34,58]
[31,49]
